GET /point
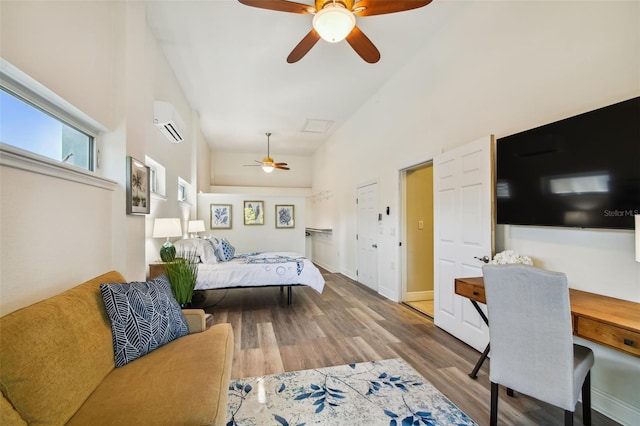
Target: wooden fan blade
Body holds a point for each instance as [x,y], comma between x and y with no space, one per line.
[363,46]
[380,7]
[280,6]
[280,164]
[303,47]
[252,165]
[275,166]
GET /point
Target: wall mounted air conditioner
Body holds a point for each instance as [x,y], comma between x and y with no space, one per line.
[168,121]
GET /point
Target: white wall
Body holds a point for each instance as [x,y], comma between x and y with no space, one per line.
[257,238]
[497,68]
[203,160]
[596,260]
[57,233]
[180,160]
[101,58]
[53,236]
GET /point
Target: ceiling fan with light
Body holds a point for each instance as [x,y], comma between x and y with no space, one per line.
[335,20]
[267,163]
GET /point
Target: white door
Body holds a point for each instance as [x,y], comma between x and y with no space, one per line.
[367,226]
[463,218]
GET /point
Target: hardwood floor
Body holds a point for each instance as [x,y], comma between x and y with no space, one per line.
[348,323]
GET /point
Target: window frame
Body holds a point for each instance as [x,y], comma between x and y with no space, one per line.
[18,83]
[158,177]
[91,148]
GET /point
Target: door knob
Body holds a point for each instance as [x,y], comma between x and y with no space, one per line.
[484,259]
[374,245]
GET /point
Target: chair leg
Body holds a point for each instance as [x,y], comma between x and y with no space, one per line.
[586,400]
[568,418]
[494,404]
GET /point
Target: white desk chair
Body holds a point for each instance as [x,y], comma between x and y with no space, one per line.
[532,348]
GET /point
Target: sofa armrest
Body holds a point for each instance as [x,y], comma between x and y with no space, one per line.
[196,320]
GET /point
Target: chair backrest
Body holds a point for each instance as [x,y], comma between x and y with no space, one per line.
[530,331]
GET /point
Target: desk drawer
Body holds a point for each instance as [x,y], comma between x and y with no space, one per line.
[619,338]
[471,291]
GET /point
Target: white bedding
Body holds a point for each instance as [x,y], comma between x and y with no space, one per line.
[260,269]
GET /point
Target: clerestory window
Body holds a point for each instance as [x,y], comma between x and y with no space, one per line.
[27,126]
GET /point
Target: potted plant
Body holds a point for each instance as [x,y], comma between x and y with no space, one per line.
[182,272]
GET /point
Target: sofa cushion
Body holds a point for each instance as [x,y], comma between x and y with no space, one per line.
[182,383]
[144,316]
[56,352]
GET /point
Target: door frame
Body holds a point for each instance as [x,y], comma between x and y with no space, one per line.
[403,223]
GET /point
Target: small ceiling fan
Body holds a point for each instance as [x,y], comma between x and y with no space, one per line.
[267,163]
[335,20]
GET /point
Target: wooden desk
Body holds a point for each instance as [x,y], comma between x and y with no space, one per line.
[604,320]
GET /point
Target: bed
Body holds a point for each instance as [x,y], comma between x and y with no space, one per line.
[221,268]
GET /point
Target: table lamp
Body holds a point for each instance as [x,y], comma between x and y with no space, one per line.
[195,226]
[167,227]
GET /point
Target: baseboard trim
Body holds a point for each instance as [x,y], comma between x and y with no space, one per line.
[350,274]
[389,293]
[324,266]
[614,408]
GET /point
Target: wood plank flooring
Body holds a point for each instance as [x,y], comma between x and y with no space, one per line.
[348,323]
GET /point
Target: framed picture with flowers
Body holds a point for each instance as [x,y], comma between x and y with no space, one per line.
[220,216]
[285,216]
[254,213]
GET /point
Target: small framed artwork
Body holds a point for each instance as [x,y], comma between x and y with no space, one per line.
[138,188]
[285,216]
[220,216]
[254,212]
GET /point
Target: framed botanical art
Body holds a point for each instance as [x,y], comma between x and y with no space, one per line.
[254,212]
[220,216]
[138,189]
[285,216]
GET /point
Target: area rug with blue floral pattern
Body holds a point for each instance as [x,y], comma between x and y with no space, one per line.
[388,392]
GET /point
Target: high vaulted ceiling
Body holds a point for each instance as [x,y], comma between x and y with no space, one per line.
[231,62]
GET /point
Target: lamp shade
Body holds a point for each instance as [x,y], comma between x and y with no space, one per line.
[637,237]
[334,23]
[195,226]
[167,227]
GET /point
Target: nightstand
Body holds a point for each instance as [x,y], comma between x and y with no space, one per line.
[155,269]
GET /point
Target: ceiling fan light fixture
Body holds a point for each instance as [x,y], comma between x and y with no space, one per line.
[267,165]
[334,22]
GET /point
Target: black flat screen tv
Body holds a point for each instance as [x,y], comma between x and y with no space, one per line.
[582,171]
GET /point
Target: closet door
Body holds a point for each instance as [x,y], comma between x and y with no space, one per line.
[367,230]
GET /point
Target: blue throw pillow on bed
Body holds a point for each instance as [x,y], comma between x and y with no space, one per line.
[227,250]
[144,316]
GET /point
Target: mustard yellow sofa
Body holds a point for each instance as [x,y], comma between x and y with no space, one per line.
[57,367]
